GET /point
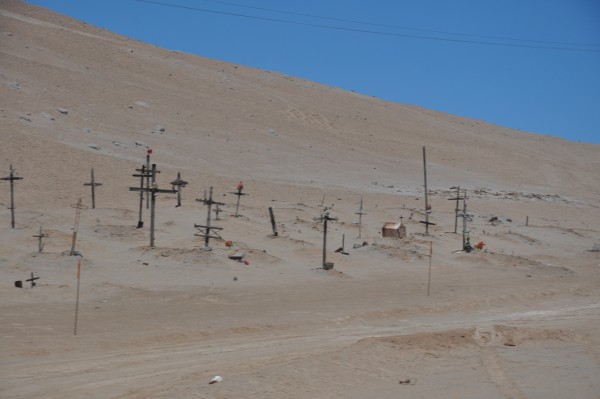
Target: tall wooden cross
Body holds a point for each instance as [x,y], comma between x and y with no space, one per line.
[360,213]
[209,231]
[426,222]
[325,217]
[12,178]
[152,190]
[93,184]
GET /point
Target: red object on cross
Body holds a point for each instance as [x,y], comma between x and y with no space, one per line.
[149,151]
[240,186]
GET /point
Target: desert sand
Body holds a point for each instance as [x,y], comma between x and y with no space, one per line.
[518,319]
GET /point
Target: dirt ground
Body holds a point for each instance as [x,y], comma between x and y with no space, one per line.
[519,318]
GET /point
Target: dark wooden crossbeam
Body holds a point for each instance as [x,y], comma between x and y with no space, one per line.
[32,280]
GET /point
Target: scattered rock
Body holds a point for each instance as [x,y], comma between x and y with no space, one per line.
[63,111]
[94,146]
[595,248]
[25,118]
[140,144]
[119,144]
[47,116]
[87,130]
[14,85]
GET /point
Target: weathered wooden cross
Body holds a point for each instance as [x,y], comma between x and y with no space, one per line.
[179,184]
[209,231]
[93,184]
[465,216]
[457,209]
[78,207]
[360,213]
[325,217]
[152,190]
[273,225]
[12,178]
[32,280]
[40,238]
[239,193]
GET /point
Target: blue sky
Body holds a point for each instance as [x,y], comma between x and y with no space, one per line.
[539,71]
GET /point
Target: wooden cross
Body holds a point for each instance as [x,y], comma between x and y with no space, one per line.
[457,209]
[426,222]
[239,193]
[179,184]
[153,190]
[32,280]
[40,238]
[209,231]
[93,184]
[360,213]
[325,217]
[12,178]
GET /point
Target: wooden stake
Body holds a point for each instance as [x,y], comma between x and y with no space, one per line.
[240,187]
[360,213]
[427,206]
[273,225]
[77,296]
[179,184]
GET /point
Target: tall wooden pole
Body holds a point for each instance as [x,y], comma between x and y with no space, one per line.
[148,152]
[464,216]
[78,207]
[427,209]
[144,171]
[456,209]
[77,298]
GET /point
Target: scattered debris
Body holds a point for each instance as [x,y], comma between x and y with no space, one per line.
[94,146]
[216,379]
[63,111]
[408,381]
[237,256]
[119,144]
[25,118]
[595,248]
[15,85]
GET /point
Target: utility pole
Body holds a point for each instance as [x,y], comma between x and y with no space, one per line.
[78,207]
[209,231]
[93,184]
[179,184]
[12,178]
[152,190]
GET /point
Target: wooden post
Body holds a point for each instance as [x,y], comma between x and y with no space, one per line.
[12,179]
[78,207]
[464,217]
[148,152]
[427,209]
[93,184]
[527,221]
[142,176]
[427,206]
[77,296]
[429,278]
[273,225]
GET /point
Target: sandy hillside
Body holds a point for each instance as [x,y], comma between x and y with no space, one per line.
[517,319]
